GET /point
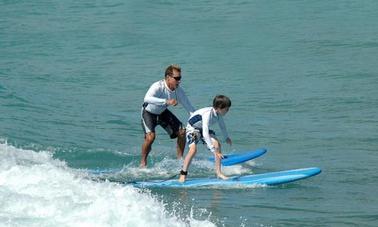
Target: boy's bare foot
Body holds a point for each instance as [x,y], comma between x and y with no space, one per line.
[182,178]
[221,176]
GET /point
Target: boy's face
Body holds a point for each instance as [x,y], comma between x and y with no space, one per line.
[223,111]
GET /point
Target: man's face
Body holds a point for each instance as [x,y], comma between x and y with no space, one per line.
[174,79]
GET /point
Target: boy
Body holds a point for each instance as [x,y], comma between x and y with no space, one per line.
[198,129]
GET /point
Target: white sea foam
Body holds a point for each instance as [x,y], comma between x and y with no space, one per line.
[208,166]
[170,167]
[37,190]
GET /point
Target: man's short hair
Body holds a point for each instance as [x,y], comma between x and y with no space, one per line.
[169,70]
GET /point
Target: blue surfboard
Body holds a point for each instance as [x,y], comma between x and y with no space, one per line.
[272,178]
[233,159]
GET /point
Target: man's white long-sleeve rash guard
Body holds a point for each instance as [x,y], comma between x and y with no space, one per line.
[159,93]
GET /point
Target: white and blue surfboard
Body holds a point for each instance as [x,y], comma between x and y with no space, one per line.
[272,178]
[240,157]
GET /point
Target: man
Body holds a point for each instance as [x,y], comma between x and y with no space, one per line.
[159,96]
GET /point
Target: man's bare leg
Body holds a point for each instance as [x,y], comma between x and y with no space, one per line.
[181,140]
[146,148]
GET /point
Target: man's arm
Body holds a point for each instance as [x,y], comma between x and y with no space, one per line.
[183,99]
[153,94]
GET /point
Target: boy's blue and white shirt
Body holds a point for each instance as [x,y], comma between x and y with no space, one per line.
[201,120]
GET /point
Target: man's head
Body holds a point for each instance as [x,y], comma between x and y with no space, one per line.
[173,76]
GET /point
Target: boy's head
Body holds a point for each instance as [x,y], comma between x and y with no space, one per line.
[221,102]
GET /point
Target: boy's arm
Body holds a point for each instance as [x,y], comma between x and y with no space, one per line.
[205,132]
[223,128]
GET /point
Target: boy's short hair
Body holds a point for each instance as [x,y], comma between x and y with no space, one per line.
[221,102]
[169,70]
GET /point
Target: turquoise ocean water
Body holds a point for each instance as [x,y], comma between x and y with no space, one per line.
[302,76]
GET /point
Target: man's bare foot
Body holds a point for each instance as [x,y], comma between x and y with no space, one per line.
[143,165]
[223,177]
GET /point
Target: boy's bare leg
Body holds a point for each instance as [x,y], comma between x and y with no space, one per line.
[218,157]
[218,168]
[187,161]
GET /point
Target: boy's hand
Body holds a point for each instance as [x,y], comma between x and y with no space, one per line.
[219,154]
[229,141]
